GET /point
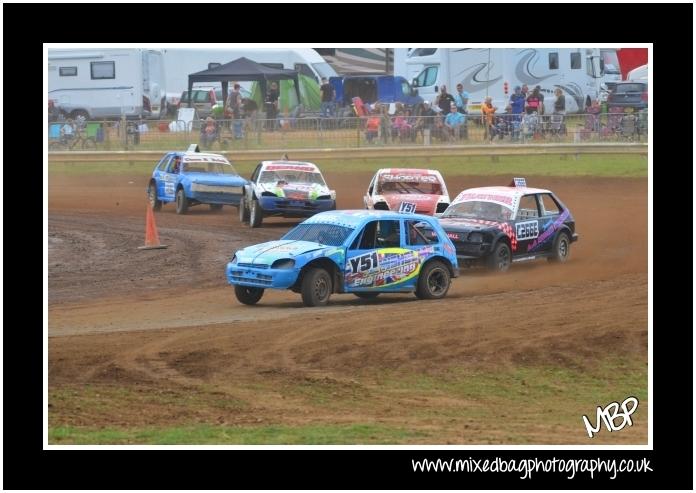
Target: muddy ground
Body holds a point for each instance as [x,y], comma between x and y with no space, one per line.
[165,323]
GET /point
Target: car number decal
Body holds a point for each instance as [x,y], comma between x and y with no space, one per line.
[407,208]
[527,230]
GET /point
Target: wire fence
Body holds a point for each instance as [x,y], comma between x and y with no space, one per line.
[350,132]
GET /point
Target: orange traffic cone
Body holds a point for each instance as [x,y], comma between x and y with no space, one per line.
[152,240]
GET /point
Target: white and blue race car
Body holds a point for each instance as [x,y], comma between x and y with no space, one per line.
[287,189]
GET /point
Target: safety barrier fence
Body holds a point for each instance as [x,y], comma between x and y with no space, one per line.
[370,131]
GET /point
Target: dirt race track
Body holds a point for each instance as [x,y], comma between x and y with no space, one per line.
[165,321]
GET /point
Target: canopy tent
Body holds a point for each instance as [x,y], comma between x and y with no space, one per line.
[242,69]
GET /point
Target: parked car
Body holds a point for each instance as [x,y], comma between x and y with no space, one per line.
[422,191]
[191,178]
[361,252]
[496,226]
[202,99]
[629,94]
[287,189]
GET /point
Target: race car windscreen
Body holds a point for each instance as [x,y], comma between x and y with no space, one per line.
[478,209]
[291,176]
[385,187]
[212,168]
[326,234]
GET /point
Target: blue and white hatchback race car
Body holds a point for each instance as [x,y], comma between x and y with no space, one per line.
[192,178]
[356,251]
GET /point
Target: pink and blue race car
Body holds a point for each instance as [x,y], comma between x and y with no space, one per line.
[355,251]
[496,226]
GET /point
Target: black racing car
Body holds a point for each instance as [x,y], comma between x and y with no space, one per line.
[496,226]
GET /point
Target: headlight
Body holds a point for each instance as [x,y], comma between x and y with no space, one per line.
[234,259]
[324,197]
[475,237]
[268,194]
[284,263]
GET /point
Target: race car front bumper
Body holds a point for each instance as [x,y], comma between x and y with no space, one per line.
[260,276]
[295,208]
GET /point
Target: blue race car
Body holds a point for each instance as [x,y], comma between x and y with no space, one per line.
[287,189]
[357,251]
[192,178]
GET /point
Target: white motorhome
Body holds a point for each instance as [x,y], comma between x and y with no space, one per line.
[106,83]
[496,71]
[180,62]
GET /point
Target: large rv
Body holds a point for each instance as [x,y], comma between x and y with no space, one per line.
[106,83]
[494,72]
[180,62]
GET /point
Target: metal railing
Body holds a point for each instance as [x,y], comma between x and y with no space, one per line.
[353,132]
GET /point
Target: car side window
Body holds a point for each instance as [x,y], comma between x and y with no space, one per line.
[164,162]
[174,165]
[419,233]
[255,174]
[528,207]
[549,205]
[372,185]
[388,234]
[366,239]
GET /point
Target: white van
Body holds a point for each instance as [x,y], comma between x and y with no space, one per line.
[106,83]
[181,62]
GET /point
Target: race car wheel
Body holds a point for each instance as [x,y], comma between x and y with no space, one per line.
[434,281]
[152,196]
[215,207]
[316,287]
[243,211]
[367,296]
[501,258]
[561,249]
[255,215]
[247,295]
[181,202]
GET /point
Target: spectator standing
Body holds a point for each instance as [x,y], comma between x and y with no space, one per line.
[328,95]
[559,106]
[67,131]
[533,103]
[487,112]
[372,129]
[385,124]
[461,99]
[234,102]
[517,101]
[444,101]
[525,91]
[540,95]
[271,104]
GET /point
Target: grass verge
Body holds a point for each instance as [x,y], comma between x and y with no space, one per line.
[585,165]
